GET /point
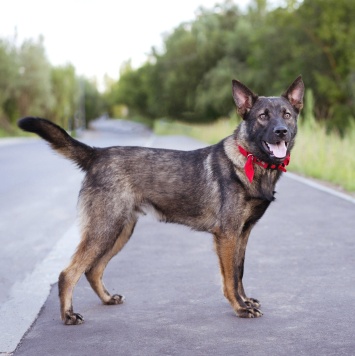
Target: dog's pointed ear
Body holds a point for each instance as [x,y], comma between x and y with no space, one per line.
[294,94]
[243,97]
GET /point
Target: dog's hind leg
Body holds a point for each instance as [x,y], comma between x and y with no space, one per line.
[83,258]
[94,274]
[101,240]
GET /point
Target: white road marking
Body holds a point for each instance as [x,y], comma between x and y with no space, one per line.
[321,187]
[28,296]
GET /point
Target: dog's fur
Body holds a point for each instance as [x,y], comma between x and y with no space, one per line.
[206,189]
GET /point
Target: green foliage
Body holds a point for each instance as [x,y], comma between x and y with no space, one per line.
[8,79]
[167,85]
[94,103]
[132,90]
[210,133]
[65,94]
[29,85]
[33,91]
[264,47]
[25,84]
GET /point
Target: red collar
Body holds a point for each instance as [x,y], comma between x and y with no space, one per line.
[249,165]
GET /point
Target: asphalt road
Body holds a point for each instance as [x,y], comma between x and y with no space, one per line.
[300,264]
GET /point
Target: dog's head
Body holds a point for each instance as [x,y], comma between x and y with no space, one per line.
[269,124]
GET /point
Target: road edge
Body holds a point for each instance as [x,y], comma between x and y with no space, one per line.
[320,187]
[28,297]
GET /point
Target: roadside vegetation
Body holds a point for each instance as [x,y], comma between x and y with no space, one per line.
[30,85]
[266,48]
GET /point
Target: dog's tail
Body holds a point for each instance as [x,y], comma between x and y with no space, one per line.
[60,141]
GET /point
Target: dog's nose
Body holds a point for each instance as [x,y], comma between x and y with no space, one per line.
[280,130]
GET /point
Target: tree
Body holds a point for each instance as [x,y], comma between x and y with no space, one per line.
[65,91]
[8,79]
[329,55]
[265,47]
[93,100]
[29,85]
[131,90]
[33,93]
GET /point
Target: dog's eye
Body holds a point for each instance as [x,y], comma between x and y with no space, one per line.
[263,116]
[287,115]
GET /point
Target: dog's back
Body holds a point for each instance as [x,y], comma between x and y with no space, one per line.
[177,186]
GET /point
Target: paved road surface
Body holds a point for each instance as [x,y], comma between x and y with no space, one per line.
[300,264]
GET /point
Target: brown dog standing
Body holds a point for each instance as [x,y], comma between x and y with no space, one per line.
[223,189]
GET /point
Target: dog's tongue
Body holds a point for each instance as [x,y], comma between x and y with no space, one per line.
[279,150]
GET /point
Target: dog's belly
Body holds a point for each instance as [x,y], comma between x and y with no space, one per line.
[197,216]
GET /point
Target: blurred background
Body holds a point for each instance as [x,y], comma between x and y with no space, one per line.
[170,66]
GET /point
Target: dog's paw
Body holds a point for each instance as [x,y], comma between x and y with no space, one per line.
[73,318]
[116,299]
[249,313]
[252,303]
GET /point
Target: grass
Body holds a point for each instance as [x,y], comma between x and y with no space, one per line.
[209,133]
[319,154]
[325,155]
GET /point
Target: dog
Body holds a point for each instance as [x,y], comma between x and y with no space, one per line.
[223,189]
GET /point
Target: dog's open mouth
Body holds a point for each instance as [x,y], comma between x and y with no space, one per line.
[278,149]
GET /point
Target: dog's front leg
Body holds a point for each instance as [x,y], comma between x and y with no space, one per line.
[231,252]
[239,272]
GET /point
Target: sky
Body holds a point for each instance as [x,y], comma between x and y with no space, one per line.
[97,36]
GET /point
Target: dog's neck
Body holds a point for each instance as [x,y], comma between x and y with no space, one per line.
[264,180]
[251,160]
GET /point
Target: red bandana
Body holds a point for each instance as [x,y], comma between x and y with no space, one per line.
[249,165]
